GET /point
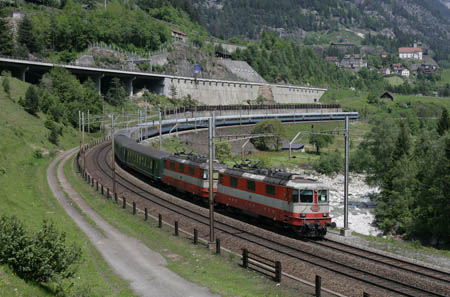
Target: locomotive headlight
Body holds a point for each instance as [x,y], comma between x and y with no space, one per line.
[303,215]
[325,214]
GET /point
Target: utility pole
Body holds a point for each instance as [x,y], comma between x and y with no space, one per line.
[113,157]
[79,126]
[211,181]
[160,130]
[89,128]
[82,140]
[346,230]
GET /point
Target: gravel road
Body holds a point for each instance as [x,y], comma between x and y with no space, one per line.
[129,258]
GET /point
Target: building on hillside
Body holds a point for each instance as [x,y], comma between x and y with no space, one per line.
[332,59]
[385,71]
[353,62]
[387,95]
[410,53]
[179,36]
[400,70]
[427,69]
[384,56]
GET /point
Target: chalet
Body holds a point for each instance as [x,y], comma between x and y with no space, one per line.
[385,71]
[179,36]
[410,53]
[387,95]
[353,62]
[427,69]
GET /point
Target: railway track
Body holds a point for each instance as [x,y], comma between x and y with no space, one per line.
[400,278]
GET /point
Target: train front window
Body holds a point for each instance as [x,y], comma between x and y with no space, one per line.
[323,196]
[295,196]
[306,196]
[215,175]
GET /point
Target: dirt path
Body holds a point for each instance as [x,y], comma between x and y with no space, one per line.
[129,258]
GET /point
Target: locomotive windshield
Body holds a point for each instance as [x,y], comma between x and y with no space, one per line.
[323,196]
[295,196]
[306,196]
[206,175]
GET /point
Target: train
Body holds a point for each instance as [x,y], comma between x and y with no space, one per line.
[282,198]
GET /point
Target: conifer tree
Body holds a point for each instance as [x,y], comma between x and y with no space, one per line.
[25,34]
[116,93]
[6,44]
[31,104]
[444,123]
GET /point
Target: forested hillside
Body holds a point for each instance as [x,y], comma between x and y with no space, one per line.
[397,22]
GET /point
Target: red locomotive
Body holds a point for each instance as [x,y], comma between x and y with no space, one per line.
[295,202]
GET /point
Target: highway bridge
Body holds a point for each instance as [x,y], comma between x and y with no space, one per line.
[206,91]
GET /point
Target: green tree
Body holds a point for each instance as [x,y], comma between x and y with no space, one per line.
[444,123]
[320,141]
[6,85]
[116,93]
[53,137]
[6,41]
[31,103]
[274,127]
[25,34]
[223,150]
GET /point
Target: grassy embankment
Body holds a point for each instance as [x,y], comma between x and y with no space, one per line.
[25,193]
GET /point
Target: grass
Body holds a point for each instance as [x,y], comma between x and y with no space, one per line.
[26,194]
[394,80]
[445,78]
[222,275]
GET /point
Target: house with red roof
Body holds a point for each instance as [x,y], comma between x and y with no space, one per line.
[410,53]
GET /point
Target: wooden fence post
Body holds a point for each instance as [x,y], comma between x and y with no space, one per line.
[102,190]
[318,285]
[366,294]
[159,221]
[145,214]
[176,228]
[116,200]
[278,271]
[218,246]
[124,202]
[245,258]
[96,185]
[195,236]
[107,193]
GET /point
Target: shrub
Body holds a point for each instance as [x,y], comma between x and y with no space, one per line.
[41,257]
[329,163]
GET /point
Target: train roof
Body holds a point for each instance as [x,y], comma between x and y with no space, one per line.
[274,177]
[139,148]
[195,160]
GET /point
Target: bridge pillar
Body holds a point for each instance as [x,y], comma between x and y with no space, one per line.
[22,73]
[98,83]
[130,86]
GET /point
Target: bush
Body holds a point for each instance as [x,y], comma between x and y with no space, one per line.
[223,150]
[329,163]
[41,257]
[274,127]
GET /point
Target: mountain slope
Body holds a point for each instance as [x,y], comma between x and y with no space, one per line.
[406,20]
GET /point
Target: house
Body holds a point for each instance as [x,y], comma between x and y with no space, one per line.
[410,53]
[332,59]
[387,95]
[353,62]
[405,72]
[179,36]
[294,147]
[427,69]
[385,71]
[384,56]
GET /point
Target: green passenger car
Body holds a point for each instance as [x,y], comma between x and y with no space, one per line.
[143,159]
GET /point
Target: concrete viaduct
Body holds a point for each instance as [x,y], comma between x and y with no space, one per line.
[206,91]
